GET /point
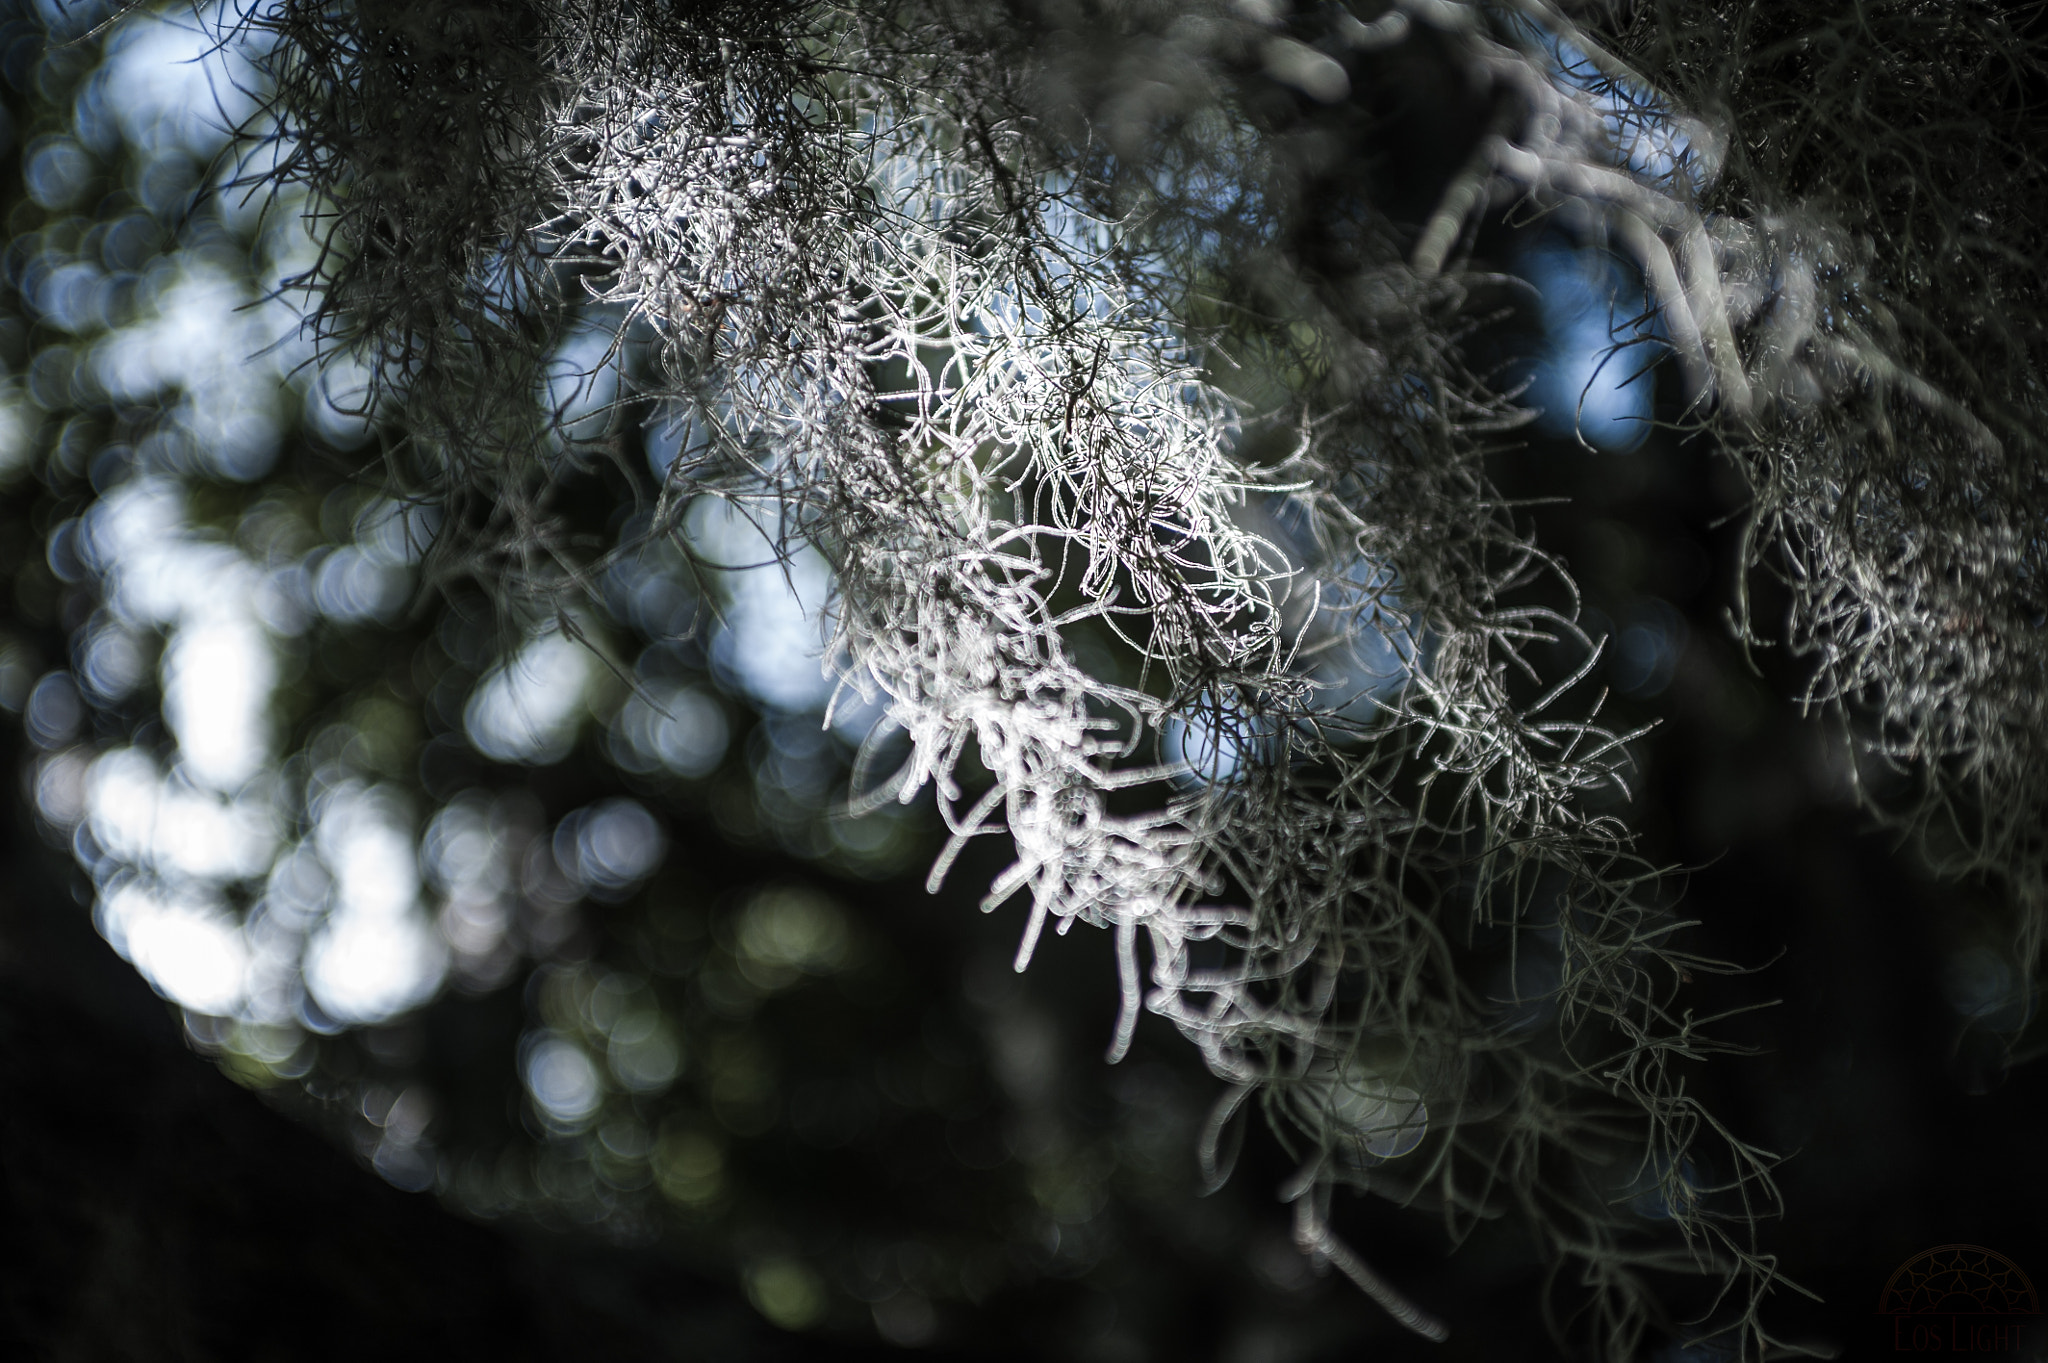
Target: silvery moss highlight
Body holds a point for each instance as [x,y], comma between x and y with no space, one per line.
[1154,487]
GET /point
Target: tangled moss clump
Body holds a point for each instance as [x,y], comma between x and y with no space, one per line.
[1047,322]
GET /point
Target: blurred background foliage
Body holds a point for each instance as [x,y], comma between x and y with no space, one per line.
[560,927]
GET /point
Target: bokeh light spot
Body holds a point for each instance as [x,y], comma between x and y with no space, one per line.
[786,1292]
[562,1081]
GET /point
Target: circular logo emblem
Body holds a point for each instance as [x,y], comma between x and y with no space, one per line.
[1959,1280]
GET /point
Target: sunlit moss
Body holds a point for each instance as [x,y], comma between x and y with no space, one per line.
[1130,441]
